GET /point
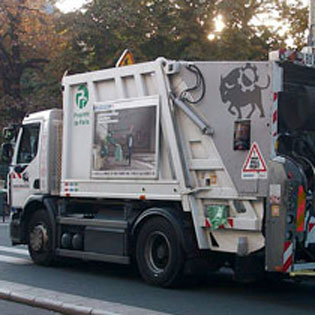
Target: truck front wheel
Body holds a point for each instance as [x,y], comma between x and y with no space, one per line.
[40,236]
[159,253]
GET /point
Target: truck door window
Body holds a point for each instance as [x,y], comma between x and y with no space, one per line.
[28,144]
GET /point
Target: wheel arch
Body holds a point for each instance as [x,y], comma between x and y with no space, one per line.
[173,216]
[35,203]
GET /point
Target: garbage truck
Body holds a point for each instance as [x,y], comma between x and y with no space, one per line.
[174,166]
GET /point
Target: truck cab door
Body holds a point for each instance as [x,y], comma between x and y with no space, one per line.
[24,174]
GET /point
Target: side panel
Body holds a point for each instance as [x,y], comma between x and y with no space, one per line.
[50,162]
[118,139]
[238,99]
[276,217]
[237,105]
[78,131]
[55,144]
[284,223]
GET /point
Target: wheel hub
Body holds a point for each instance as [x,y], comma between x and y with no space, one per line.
[158,252]
[161,252]
[38,238]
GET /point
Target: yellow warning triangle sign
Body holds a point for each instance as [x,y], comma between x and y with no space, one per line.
[125,59]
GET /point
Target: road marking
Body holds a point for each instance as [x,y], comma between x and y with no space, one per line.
[19,251]
[15,260]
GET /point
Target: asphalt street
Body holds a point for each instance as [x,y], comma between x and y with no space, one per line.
[121,285]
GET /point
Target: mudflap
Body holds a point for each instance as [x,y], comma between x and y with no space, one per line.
[249,268]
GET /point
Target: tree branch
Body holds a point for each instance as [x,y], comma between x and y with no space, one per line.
[5,54]
[34,63]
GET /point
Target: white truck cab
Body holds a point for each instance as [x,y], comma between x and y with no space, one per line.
[33,170]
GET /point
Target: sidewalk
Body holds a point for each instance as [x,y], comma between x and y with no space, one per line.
[65,303]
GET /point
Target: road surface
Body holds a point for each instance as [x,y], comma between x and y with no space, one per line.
[120,290]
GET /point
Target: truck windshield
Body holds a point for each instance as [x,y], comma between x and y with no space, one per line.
[28,144]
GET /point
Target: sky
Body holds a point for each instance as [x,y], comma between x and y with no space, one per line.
[70,5]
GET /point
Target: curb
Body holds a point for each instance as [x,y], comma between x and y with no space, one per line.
[49,304]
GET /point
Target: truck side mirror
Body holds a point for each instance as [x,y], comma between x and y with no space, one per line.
[6,152]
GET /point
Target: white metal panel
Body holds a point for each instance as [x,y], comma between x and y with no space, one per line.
[66,132]
[133,84]
[205,164]
[228,240]
[129,189]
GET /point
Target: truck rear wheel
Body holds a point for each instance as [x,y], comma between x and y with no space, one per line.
[159,254]
[40,237]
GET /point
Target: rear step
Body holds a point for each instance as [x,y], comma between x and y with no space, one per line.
[93,256]
[303,273]
[303,267]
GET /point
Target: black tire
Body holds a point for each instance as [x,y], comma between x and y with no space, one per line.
[40,238]
[159,254]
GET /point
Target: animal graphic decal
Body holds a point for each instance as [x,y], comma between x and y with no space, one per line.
[240,88]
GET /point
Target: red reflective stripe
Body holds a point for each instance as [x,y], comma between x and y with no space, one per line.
[207,223]
[286,245]
[274,116]
[300,210]
[222,226]
[287,264]
[231,222]
[287,256]
[311,226]
[275,96]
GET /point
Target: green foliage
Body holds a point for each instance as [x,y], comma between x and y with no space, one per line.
[40,45]
[179,29]
[295,16]
[28,44]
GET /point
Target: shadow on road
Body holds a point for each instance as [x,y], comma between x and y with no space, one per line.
[215,294]
[216,291]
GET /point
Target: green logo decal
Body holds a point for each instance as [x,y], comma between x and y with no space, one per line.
[82,96]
